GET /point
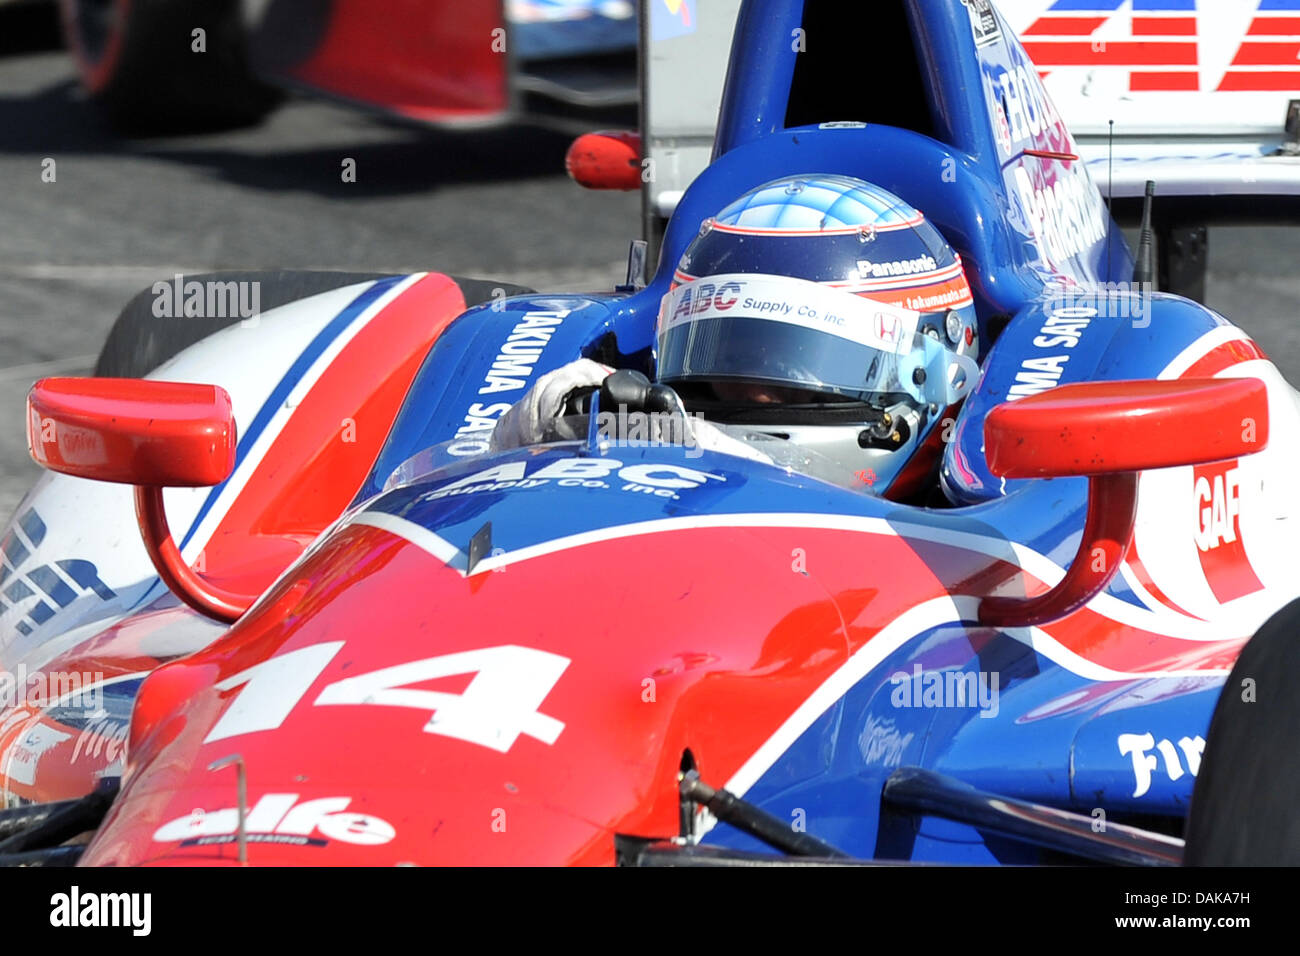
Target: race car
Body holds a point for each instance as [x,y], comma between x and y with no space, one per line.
[162,65]
[342,623]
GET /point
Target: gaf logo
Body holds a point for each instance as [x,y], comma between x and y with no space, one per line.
[1217,531]
[1168,45]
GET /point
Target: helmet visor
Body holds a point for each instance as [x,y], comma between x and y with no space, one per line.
[791,332]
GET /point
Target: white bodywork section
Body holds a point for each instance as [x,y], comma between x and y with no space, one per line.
[94,521]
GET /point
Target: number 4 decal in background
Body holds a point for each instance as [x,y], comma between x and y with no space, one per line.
[500,703]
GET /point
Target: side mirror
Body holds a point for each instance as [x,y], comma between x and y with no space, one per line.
[153,435]
[1110,431]
[131,431]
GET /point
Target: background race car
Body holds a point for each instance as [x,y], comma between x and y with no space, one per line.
[153,65]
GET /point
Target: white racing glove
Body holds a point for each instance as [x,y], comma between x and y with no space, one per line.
[531,419]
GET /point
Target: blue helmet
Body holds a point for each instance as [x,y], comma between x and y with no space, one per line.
[827,310]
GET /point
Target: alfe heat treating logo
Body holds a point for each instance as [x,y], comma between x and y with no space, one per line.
[1217,491]
[1166,44]
[280,818]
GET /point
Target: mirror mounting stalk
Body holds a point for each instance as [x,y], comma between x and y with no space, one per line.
[204,596]
[1112,511]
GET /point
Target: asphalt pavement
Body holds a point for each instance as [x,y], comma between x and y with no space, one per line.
[121,214]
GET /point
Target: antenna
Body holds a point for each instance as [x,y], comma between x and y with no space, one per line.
[1144,267]
[1110,191]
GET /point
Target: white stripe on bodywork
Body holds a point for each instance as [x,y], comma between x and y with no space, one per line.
[904,628]
[923,617]
[253,458]
[100,685]
[1164,622]
[1059,654]
[421,537]
[1202,347]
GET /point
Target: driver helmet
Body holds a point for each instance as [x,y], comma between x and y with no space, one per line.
[827,311]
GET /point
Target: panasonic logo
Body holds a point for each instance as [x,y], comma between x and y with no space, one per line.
[905,267]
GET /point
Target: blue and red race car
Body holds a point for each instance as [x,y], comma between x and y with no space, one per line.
[309,611]
[152,65]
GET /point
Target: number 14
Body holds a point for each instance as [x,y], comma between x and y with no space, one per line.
[500,703]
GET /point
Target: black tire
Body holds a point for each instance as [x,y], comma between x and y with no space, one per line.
[136,61]
[140,341]
[1246,803]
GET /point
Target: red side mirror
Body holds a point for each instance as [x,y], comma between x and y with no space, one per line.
[149,434]
[131,431]
[1110,427]
[610,159]
[1110,431]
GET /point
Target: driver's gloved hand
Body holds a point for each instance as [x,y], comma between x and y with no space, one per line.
[533,418]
